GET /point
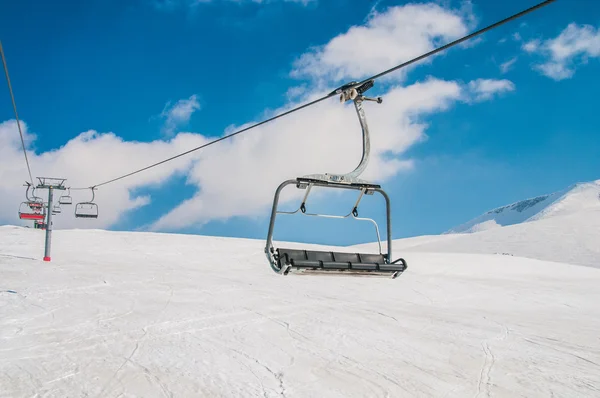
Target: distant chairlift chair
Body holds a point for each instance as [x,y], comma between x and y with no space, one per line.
[87,209]
[33,208]
[32,211]
[284,261]
[66,199]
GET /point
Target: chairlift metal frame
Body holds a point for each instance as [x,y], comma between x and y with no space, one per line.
[93,206]
[284,261]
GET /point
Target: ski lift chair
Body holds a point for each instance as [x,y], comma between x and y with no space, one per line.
[56,209]
[66,199]
[284,261]
[31,211]
[87,209]
[33,208]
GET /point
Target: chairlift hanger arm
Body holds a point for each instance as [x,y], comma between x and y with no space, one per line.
[354,93]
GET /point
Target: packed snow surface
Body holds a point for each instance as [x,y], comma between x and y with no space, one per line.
[573,238]
[119,314]
[581,196]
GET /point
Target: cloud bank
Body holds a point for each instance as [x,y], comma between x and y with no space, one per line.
[573,47]
[385,40]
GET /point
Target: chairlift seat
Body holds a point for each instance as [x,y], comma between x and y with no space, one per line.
[86,215]
[327,260]
[65,200]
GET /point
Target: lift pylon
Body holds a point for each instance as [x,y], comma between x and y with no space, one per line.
[50,184]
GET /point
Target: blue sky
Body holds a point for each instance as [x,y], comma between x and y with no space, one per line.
[122,66]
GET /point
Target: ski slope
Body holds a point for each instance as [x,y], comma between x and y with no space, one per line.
[122,314]
[573,238]
[578,197]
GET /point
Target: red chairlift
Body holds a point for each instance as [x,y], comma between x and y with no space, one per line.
[31,211]
[33,208]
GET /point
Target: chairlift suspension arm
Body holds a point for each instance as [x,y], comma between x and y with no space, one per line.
[366,147]
[354,92]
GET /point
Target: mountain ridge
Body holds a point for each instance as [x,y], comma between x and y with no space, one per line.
[575,197]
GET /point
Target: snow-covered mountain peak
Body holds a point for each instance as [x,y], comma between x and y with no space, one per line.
[575,198]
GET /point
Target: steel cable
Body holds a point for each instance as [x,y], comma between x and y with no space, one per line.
[12,97]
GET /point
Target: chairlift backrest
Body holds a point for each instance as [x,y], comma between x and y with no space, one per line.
[35,205]
[86,210]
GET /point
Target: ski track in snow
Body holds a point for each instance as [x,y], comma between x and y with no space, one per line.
[119,314]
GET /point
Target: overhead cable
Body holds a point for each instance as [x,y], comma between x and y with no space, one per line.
[454,43]
[16,114]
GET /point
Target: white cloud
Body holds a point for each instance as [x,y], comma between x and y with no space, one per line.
[295,92]
[237,177]
[179,114]
[507,66]
[531,46]
[485,89]
[387,39]
[467,13]
[573,46]
[89,158]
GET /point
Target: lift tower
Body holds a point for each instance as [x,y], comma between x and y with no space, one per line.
[50,184]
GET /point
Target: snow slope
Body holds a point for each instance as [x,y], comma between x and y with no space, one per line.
[158,315]
[571,200]
[573,238]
